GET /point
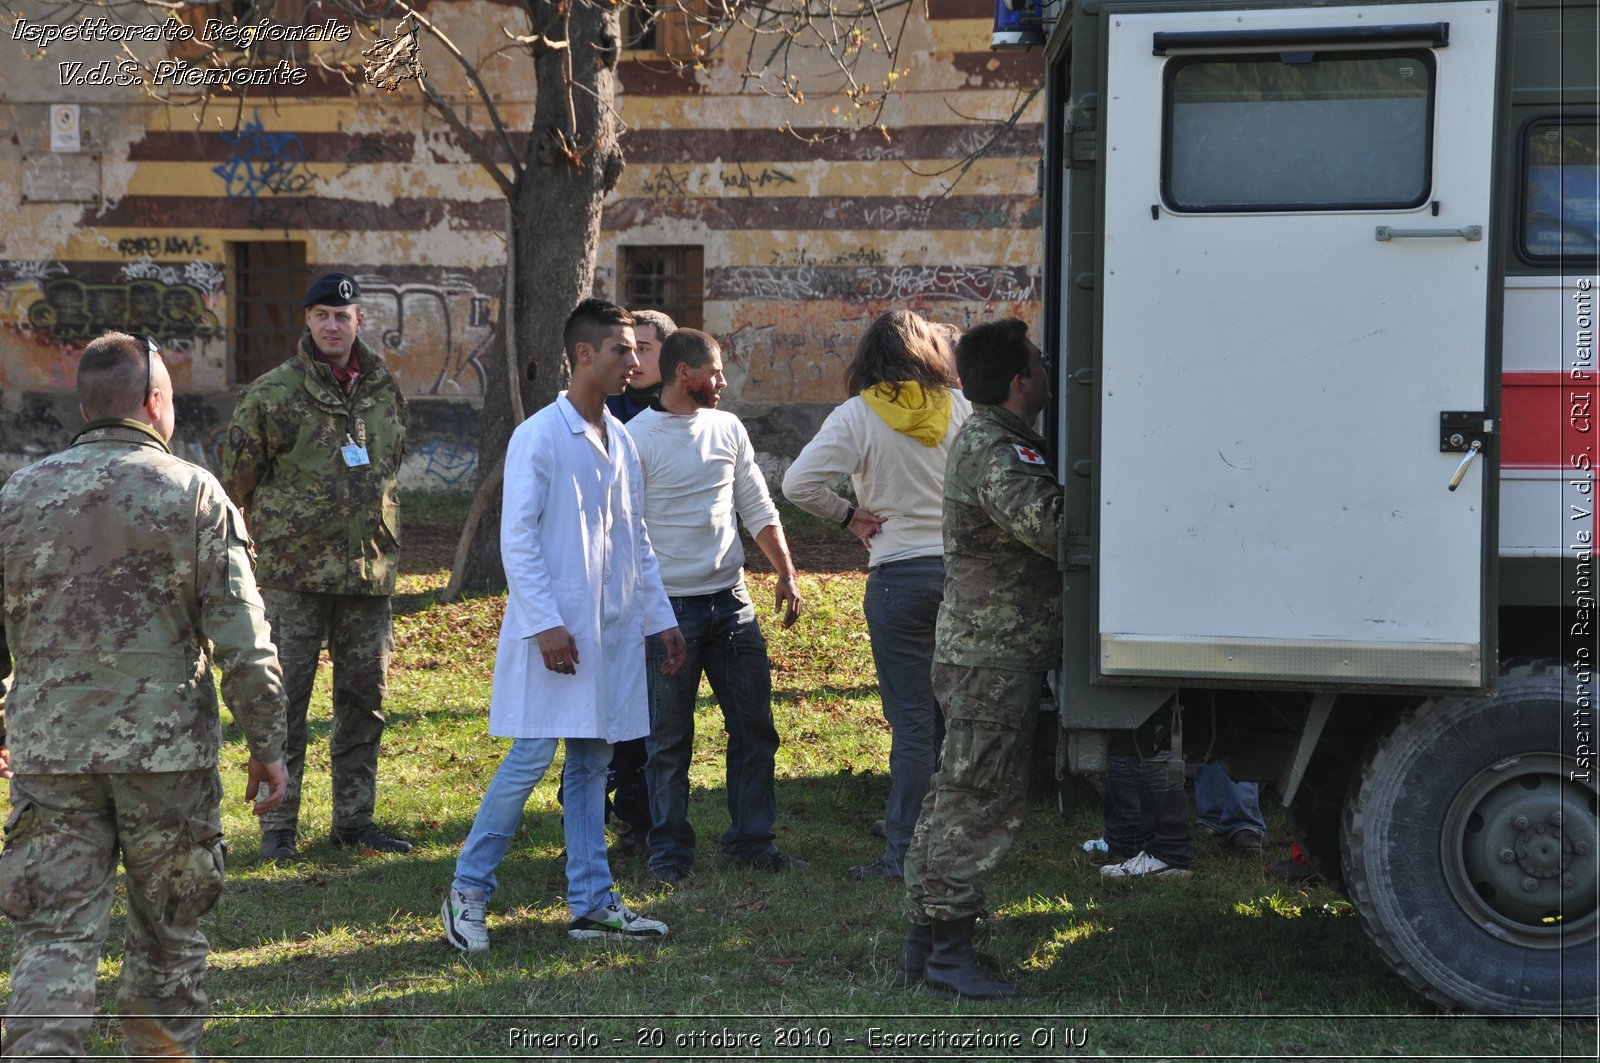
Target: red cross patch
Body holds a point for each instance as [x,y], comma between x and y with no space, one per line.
[1028,454]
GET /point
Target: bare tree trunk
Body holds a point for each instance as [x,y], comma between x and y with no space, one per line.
[573,162]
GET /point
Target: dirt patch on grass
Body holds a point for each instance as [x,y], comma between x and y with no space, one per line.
[428,548]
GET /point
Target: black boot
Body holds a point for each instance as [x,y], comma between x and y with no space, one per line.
[953,967]
[914,953]
[918,946]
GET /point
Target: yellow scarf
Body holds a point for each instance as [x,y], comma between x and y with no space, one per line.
[922,415]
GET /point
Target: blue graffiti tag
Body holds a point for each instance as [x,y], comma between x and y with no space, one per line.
[264,162]
[448,465]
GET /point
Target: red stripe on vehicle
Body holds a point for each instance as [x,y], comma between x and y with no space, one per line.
[1547,419]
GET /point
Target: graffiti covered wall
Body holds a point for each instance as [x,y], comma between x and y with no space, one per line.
[806,240]
[139,225]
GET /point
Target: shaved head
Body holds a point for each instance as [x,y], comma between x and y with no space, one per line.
[111,376]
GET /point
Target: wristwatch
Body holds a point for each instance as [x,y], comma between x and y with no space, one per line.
[848,517]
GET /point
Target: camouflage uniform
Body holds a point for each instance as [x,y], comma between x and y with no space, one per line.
[125,573]
[328,537]
[999,629]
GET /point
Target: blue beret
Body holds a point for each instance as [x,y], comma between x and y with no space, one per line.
[333,289]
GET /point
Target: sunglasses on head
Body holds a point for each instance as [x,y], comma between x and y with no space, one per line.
[151,349]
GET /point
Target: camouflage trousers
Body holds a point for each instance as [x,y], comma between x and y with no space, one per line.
[360,638]
[975,801]
[58,876]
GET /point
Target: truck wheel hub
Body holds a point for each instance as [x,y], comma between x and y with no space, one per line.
[1513,851]
[1542,852]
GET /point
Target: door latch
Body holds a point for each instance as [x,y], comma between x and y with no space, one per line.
[1458,428]
[1461,470]
[1463,432]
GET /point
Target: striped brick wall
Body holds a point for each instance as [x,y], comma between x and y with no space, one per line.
[802,243]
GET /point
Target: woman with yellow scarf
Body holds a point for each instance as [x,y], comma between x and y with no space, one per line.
[891,438]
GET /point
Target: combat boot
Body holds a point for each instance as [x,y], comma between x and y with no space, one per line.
[277,843]
[918,946]
[914,953]
[953,967]
[369,837]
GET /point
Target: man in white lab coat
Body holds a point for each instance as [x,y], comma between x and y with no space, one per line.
[584,592]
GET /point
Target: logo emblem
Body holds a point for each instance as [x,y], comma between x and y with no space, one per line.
[1027,454]
[346,291]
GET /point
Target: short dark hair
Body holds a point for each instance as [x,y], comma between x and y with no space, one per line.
[686,346]
[591,321]
[111,375]
[657,320]
[900,345]
[989,356]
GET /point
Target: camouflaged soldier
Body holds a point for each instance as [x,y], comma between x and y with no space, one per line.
[313,458]
[121,567]
[999,629]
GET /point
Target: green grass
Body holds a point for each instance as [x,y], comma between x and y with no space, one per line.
[341,956]
[439,509]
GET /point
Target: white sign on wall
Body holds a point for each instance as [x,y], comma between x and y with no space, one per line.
[65,127]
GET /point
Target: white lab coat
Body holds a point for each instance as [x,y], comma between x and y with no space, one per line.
[575,550]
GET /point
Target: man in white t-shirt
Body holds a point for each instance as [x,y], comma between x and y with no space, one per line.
[699,473]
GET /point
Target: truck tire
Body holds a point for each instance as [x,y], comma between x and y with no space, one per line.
[1469,849]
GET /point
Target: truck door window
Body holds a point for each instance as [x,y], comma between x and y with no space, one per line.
[1560,189]
[1298,131]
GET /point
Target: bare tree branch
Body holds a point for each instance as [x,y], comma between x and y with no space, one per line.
[962,166]
[470,139]
[481,500]
[607,105]
[482,155]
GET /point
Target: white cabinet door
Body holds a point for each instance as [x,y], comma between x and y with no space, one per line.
[1296,272]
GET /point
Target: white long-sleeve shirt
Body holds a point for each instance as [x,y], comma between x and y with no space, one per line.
[894,476]
[699,470]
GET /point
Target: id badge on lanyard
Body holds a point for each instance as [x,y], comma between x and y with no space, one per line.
[354,454]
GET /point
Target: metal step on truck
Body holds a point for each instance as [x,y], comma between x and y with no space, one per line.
[1321,285]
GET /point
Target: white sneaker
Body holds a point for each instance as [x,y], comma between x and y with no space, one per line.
[615,920]
[1095,846]
[1144,866]
[462,915]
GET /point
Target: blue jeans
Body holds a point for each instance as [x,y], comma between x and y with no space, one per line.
[724,642]
[901,607]
[500,813]
[1225,806]
[1146,810]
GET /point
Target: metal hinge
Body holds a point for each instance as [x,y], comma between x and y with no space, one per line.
[1080,552]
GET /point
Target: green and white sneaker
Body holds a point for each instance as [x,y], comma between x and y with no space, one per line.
[462,915]
[615,920]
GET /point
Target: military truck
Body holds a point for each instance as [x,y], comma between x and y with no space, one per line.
[1320,292]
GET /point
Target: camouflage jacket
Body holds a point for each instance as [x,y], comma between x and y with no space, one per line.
[1002,517]
[125,572]
[319,524]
